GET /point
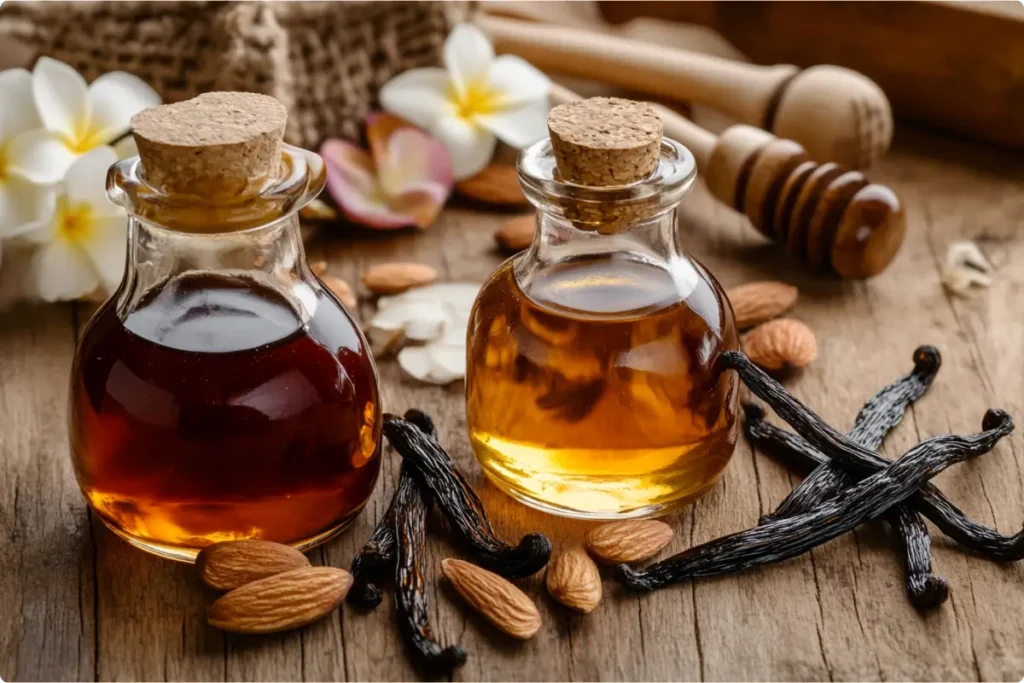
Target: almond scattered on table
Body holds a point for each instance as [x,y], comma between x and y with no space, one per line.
[574,580]
[395,278]
[497,184]
[628,541]
[780,344]
[517,233]
[228,565]
[281,602]
[758,302]
[342,290]
[504,605]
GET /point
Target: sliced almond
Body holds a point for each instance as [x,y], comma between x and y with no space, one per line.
[628,541]
[781,344]
[231,564]
[342,290]
[281,602]
[394,278]
[516,234]
[497,184]
[503,604]
[758,302]
[574,580]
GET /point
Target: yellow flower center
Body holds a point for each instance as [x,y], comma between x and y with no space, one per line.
[73,223]
[478,99]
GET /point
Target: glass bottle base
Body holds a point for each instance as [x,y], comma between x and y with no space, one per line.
[188,554]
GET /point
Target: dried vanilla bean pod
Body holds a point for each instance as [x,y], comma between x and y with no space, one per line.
[792,536]
[379,552]
[929,500]
[924,589]
[878,416]
[412,504]
[462,507]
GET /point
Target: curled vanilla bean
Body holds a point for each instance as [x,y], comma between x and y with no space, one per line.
[792,536]
[462,507]
[929,501]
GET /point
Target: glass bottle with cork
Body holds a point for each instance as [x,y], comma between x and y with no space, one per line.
[222,392]
[592,384]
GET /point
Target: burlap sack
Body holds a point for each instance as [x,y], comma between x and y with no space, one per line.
[326,61]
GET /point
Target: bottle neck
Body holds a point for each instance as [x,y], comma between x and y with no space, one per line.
[271,256]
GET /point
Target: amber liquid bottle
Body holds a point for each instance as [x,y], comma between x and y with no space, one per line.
[592,385]
[222,392]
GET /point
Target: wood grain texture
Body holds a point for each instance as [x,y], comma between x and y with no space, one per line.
[76,603]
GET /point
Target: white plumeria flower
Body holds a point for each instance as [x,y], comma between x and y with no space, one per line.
[473,99]
[21,200]
[82,246]
[437,315]
[77,117]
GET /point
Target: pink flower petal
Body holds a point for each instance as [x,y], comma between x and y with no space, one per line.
[380,126]
[352,183]
[415,158]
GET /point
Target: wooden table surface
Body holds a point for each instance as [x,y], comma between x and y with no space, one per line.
[78,603]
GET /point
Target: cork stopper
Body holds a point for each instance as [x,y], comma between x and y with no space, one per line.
[216,145]
[604,141]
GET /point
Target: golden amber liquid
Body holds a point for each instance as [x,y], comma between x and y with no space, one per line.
[595,393]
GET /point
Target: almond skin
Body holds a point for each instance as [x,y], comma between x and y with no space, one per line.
[281,602]
[395,278]
[574,580]
[758,302]
[628,541]
[497,184]
[504,605]
[516,234]
[781,344]
[342,290]
[231,564]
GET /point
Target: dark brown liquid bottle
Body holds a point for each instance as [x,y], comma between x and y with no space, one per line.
[222,393]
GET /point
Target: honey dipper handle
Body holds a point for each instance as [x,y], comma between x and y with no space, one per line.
[699,141]
[743,91]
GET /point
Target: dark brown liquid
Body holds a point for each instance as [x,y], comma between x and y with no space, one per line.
[211,413]
[595,392]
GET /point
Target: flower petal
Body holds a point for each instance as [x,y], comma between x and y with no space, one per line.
[86,181]
[62,271]
[107,247]
[380,126]
[518,81]
[23,203]
[467,56]
[352,183]
[420,205]
[413,159]
[469,146]
[420,96]
[519,126]
[114,98]
[62,97]
[18,113]
[40,156]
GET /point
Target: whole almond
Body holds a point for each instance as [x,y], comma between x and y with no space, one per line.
[394,278]
[496,184]
[342,290]
[503,604]
[281,602]
[628,541]
[781,344]
[516,234]
[758,302]
[574,581]
[232,564]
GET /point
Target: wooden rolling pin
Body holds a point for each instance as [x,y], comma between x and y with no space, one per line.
[836,114]
[827,216]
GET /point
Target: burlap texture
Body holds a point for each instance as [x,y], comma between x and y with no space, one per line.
[326,61]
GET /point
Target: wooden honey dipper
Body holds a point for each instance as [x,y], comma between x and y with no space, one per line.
[828,216]
[836,114]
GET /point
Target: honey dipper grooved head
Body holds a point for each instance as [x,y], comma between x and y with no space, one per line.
[837,115]
[217,144]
